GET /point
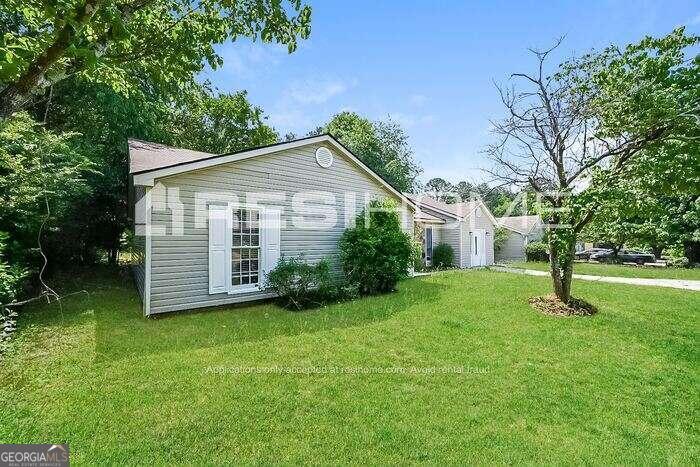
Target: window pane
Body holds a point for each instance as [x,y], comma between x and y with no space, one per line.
[245,251]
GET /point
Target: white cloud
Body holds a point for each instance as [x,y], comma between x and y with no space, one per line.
[411,120]
[300,107]
[286,118]
[417,99]
[313,91]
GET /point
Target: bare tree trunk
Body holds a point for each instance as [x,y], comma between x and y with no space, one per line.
[657,250]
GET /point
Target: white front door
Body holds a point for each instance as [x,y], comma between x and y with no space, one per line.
[478,239]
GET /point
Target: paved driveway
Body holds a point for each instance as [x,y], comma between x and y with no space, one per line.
[673,283]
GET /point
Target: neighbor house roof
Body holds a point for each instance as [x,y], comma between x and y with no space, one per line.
[456,210]
[520,224]
[427,218]
[426,201]
[148,161]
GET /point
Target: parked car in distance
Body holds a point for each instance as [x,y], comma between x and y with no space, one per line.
[586,254]
[626,256]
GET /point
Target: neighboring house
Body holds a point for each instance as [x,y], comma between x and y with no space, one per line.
[467,227]
[210,227]
[521,231]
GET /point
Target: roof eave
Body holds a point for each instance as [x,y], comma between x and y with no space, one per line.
[148,177]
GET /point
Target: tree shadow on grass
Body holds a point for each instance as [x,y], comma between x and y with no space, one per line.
[122,331]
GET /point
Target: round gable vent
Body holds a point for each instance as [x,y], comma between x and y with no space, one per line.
[324,157]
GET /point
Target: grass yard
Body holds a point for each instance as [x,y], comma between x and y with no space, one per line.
[619,270]
[619,387]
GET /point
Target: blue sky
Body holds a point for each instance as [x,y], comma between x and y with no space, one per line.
[429,65]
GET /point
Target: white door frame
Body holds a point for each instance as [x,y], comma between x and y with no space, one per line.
[478,247]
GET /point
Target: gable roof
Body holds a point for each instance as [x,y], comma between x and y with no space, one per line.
[520,224]
[145,156]
[426,201]
[458,211]
[427,218]
[148,161]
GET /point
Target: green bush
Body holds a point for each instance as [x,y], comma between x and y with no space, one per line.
[443,256]
[302,285]
[375,255]
[678,262]
[417,258]
[11,277]
[537,251]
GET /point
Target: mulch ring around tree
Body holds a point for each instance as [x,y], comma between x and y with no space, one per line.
[551,305]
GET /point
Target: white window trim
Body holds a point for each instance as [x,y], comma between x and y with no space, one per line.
[244,288]
[429,261]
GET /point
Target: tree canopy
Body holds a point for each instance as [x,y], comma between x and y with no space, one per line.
[127,43]
[220,123]
[580,128]
[383,146]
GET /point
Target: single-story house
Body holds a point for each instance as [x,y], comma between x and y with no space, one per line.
[210,227]
[468,227]
[521,231]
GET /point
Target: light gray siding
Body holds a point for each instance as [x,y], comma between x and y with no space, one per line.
[139,278]
[513,249]
[450,234]
[179,263]
[457,234]
[139,243]
[535,235]
[476,221]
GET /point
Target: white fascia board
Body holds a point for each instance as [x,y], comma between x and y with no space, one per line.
[428,207]
[512,229]
[148,178]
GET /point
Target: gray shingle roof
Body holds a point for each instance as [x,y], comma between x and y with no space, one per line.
[457,209]
[523,224]
[144,155]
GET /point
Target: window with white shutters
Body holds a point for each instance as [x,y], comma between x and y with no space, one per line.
[245,248]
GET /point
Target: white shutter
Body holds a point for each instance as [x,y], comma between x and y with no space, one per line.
[218,249]
[271,247]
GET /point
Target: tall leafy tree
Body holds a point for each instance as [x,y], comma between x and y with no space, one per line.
[41,172]
[119,42]
[441,190]
[220,123]
[105,119]
[587,123]
[383,146]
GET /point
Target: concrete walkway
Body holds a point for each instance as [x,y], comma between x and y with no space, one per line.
[673,283]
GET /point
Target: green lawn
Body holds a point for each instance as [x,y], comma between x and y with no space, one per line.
[618,270]
[619,387]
